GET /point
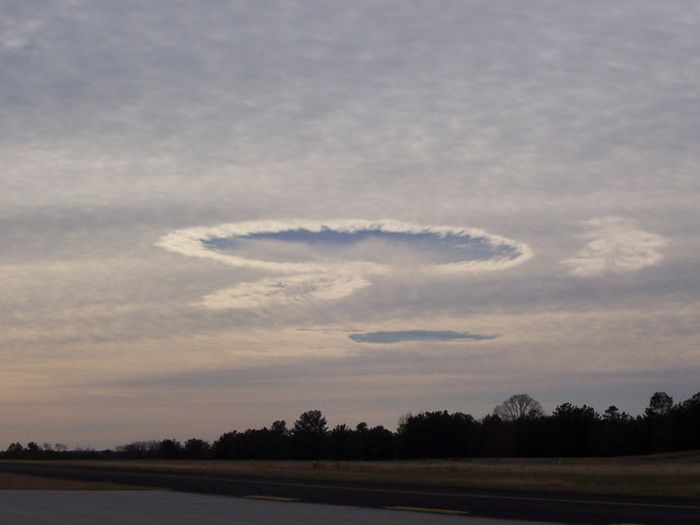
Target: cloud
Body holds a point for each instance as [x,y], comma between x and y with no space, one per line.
[120,125]
[284,290]
[388,337]
[616,247]
[329,260]
[303,246]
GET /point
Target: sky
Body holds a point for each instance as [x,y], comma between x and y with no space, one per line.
[215,215]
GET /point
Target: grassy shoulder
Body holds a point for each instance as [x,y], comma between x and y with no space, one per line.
[667,475]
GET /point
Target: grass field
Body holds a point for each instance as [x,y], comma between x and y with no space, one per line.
[666,475]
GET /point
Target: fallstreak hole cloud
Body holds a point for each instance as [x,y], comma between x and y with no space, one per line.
[317,260]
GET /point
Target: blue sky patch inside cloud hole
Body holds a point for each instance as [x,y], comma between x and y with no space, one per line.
[368,244]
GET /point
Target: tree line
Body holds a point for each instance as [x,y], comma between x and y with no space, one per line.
[518,427]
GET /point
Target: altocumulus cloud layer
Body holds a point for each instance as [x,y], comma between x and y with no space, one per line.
[569,128]
[331,259]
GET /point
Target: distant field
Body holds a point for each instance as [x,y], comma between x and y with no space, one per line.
[20,482]
[666,475]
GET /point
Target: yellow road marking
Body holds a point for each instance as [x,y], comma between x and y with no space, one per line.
[429,510]
[270,498]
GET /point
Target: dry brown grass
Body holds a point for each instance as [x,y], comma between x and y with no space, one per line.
[9,481]
[669,475]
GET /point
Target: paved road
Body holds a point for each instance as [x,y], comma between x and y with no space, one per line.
[150,507]
[542,507]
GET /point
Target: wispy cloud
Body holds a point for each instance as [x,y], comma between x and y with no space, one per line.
[399,336]
[289,289]
[616,246]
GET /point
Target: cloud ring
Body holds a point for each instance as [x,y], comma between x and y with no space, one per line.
[463,250]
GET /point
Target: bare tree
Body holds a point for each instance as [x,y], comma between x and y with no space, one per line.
[519,406]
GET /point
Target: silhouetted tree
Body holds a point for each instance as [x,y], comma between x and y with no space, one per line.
[225,446]
[33,451]
[14,451]
[658,422]
[660,405]
[261,443]
[518,406]
[437,434]
[575,429]
[139,450]
[196,449]
[342,443]
[311,422]
[169,449]
[532,436]
[615,433]
[496,437]
[308,435]
[280,427]
[685,419]
[377,443]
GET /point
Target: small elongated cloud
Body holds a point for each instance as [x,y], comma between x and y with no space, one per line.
[331,260]
[616,246]
[399,336]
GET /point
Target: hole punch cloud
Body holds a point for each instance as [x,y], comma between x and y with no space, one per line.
[616,246]
[298,247]
[332,260]
[400,336]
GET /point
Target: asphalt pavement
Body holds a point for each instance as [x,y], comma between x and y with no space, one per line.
[173,508]
[448,502]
